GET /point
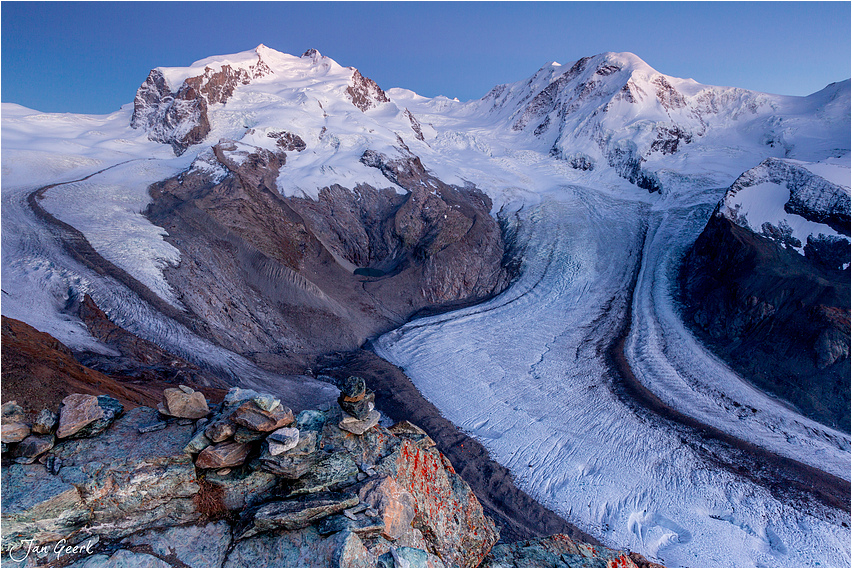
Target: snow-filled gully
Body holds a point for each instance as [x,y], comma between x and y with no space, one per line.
[530,374]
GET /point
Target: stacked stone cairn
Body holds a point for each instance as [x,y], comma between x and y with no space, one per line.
[359,405]
[247,483]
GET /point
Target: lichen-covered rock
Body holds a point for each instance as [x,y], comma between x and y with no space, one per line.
[447,511]
[46,422]
[331,471]
[295,513]
[131,480]
[394,504]
[39,506]
[555,551]
[240,490]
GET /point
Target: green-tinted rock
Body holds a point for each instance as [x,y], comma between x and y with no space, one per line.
[37,505]
[194,546]
[296,513]
[331,471]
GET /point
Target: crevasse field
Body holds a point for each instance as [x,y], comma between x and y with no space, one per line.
[525,374]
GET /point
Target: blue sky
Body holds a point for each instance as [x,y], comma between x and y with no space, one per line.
[91,57]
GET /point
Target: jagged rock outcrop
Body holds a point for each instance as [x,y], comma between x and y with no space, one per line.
[778,312]
[177,114]
[130,495]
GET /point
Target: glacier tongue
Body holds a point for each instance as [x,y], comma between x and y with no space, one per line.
[525,374]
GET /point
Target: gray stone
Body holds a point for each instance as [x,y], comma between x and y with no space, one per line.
[287,465]
[194,545]
[412,432]
[300,548]
[359,427]
[282,440]
[237,395]
[121,558]
[46,422]
[11,433]
[408,557]
[266,402]
[186,389]
[159,426]
[360,409]
[353,389]
[132,480]
[245,435]
[363,525]
[34,446]
[241,490]
[37,505]
[554,551]
[298,512]
[332,471]
[220,430]
[179,403]
[223,455]
[197,443]
[250,415]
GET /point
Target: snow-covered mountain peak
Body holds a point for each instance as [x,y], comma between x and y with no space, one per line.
[173,103]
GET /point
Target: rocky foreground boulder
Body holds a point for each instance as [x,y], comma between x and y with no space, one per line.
[246,485]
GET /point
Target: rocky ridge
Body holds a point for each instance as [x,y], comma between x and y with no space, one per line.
[771,296]
[247,484]
[325,274]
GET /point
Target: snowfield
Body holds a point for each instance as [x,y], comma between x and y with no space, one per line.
[526,373]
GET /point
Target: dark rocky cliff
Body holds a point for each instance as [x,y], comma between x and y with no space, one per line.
[779,318]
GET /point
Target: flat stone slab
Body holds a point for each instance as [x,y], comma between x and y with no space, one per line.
[37,505]
[297,513]
[331,471]
[252,416]
[194,545]
[223,455]
[282,440]
[357,426]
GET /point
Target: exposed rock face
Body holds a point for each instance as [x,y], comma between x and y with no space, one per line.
[177,115]
[779,318]
[364,93]
[132,497]
[324,274]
